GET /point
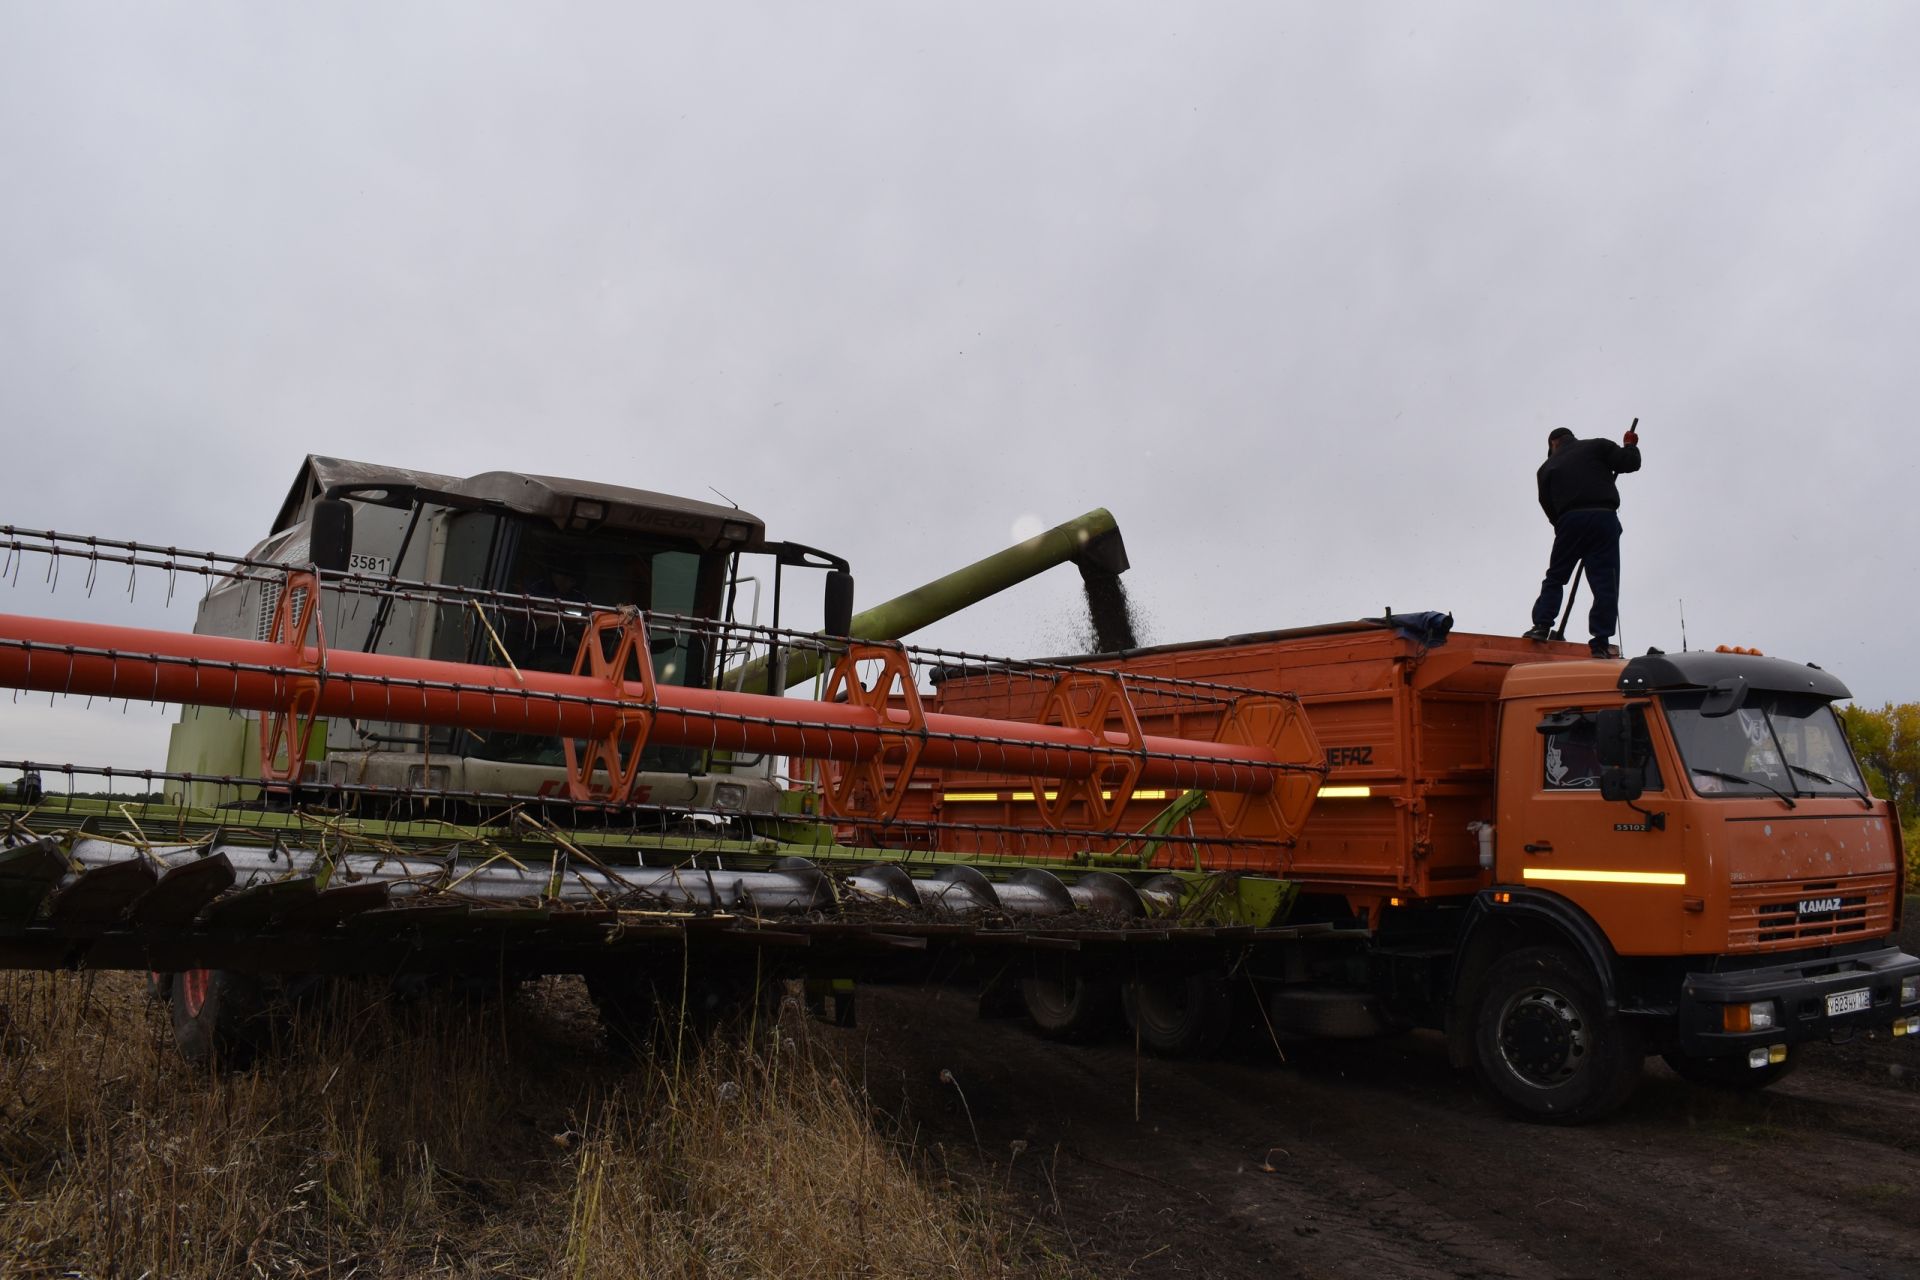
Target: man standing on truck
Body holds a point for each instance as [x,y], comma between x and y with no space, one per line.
[1578,494]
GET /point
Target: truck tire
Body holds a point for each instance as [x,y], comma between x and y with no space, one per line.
[1179,1018]
[1070,1008]
[219,1017]
[1546,1045]
[1732,1074]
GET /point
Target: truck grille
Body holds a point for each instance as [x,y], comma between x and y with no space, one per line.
[1767,916]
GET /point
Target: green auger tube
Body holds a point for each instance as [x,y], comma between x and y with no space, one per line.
[1091,541]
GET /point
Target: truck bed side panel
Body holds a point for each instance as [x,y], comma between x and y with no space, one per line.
[1408,731]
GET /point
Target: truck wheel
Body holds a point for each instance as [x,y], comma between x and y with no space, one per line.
[1545,1043]
[1069,1007]
[219,1016]
[1732,1073]
[1180,1018]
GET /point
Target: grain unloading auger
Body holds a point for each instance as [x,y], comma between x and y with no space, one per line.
[304,871]
[1091,543]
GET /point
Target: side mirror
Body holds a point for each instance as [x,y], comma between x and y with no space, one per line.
[1724,697]
[1613,738]
[1618,783]
[330,533]
[1558,722]
[839,606]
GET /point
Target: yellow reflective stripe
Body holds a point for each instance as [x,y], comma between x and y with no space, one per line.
[1604,877]
[1345,793]
[983,796]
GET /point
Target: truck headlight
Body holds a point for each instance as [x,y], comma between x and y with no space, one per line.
[1758,1016]
[1909,990]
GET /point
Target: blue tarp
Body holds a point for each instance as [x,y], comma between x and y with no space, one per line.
[1429,629]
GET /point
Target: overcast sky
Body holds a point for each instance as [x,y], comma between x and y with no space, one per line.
[1296,291]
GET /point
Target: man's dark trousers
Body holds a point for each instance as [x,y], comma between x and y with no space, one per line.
[1591,535]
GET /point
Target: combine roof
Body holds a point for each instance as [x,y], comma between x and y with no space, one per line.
[545,497]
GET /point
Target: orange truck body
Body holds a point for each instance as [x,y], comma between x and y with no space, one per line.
[1457,835]
[1418,750]
[1409,736]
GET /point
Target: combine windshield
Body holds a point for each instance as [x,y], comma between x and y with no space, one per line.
[595,569]
[1784,743]
[608,573]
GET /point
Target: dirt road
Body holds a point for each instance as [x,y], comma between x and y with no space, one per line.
[1376,1160]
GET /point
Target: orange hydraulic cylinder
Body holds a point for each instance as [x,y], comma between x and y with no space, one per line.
[89,659]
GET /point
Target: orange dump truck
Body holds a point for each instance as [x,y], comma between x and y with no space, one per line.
[1564,863]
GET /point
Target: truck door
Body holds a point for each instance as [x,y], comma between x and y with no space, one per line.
[1623,863]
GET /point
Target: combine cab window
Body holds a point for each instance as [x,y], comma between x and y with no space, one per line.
[676,583]
[1783,742]
[484,550]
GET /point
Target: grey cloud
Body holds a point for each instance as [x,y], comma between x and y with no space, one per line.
[1296,290]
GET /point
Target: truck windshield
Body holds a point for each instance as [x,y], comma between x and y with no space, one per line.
[1781,742]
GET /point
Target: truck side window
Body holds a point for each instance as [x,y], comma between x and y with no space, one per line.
[1572,757]
[1572,761]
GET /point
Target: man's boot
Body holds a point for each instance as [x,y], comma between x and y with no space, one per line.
[1534,633]
[1599,647]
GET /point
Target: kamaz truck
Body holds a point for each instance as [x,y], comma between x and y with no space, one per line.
[1564,864]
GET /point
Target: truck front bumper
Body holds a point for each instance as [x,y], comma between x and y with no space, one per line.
[1829,998]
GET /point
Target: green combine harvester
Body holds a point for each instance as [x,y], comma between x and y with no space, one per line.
[482,729]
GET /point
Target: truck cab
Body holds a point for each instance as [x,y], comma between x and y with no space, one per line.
[1693,831]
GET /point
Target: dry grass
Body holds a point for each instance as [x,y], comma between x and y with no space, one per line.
[430,1140]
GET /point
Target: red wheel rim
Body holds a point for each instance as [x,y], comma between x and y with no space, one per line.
[193,989]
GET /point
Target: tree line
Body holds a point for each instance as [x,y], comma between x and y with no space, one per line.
[1887,741]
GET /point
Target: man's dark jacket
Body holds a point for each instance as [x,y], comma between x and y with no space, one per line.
[1580,476]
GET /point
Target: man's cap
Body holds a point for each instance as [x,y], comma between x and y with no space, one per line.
[1559,433]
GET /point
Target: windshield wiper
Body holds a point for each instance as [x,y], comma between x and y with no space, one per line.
[1817,776]
[1752,782]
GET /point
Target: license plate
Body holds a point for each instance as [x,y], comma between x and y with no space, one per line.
[1849,1001]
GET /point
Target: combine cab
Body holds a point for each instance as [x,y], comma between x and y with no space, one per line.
[498,538]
